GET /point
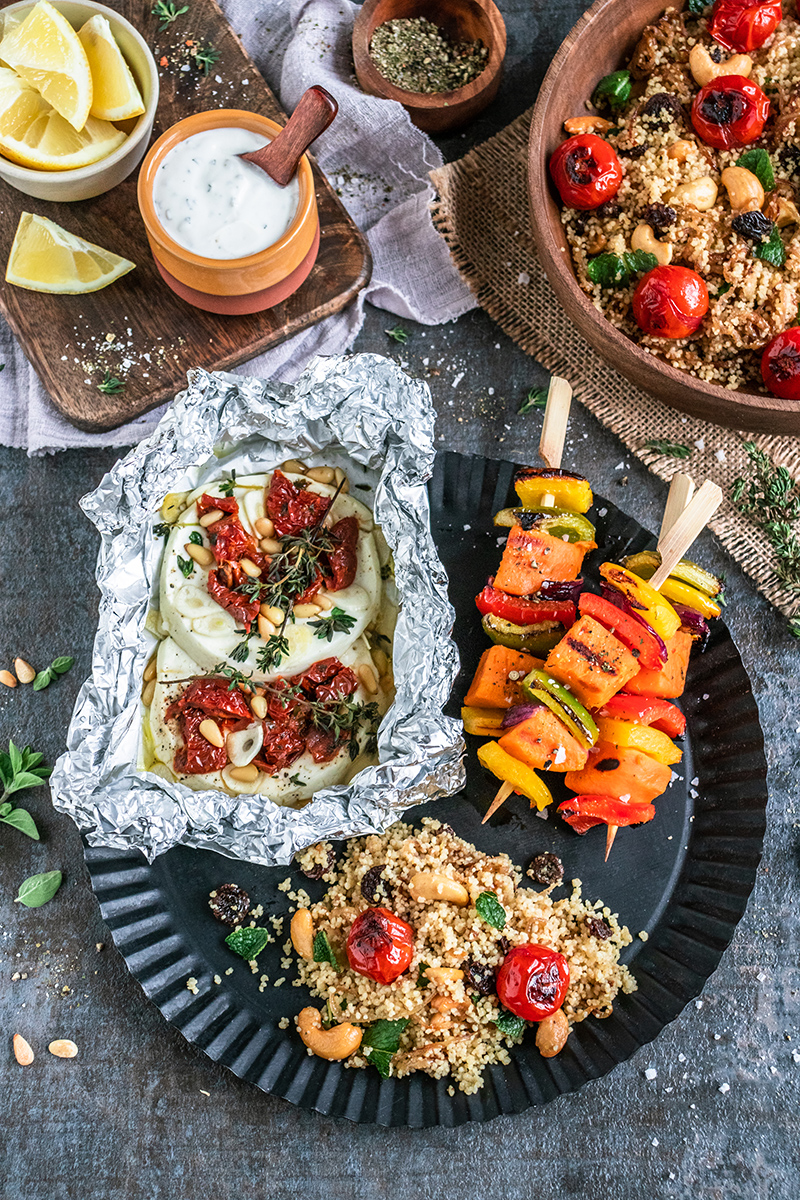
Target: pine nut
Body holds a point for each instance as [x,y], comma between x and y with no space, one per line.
[150,670]
[273,613]
[201,554]
[381,660]
[22,1051]
[24,670]
[259,707]
[340,477]
[148,692]
[210,730]
[294,466]
[265,527]
[321,474]
[249,568]
[8,679]
[324,601]
[433,885]
[301,932]
[368,678]
[248,774]
[387,682]
[211,518]
[63,1048]
[270,545]
[305,610]
[265,628]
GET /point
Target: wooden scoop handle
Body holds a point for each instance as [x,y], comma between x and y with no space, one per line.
[314,113]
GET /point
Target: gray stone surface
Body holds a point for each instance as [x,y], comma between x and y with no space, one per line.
[130,1117]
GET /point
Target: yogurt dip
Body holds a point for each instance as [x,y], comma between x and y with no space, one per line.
[217,205]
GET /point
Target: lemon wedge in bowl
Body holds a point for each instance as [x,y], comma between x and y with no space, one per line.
[47,53]
[47,258]
[115,96]
[34,135]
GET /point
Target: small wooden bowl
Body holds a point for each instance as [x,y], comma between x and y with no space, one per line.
[462,21]
[601,42]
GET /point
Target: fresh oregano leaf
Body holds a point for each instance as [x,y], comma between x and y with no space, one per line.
[773,250]
[25,779]
[758,162]
[5,809]
[43,679]
[186,565]
[380,1043]
[62,665]
[323,951]
[248,942]
[16,757]
[38,889]
[491,910]
[22,820]
[509,1024]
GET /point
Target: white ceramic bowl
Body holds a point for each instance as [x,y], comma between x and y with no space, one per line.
[85,182]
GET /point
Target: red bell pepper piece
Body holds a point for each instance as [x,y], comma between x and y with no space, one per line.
[647,710]
[583,812]
[632,633]
[522,611]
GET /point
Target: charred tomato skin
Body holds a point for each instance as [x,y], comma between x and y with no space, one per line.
[744,25]
[586,171]
[380,945]
[670,302]
[780,364]
[730,111]
[533,981]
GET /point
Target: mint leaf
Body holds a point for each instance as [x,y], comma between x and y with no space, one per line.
[608,270]
[509,1024]
[323,951]
[248,942]
[639,261]
[491,910]
[22,820]
[38,889]
[773,250]
[380,1043]
[421,980]
[759,164]
[697,7]
[613,90]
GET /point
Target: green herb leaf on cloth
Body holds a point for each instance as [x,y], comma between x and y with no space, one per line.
[667,448]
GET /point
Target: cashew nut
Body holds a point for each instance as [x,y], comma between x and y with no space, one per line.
[704,69]
[335,1043]
[680,150]
[644,239]
[744,189]
[301,932]
[552,1033]
[700,193]
[587,125]
[436,975]
[787,213]
[432,885]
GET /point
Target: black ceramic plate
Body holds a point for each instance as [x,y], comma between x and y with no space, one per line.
[683,879]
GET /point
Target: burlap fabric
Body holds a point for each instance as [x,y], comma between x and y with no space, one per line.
[497,258]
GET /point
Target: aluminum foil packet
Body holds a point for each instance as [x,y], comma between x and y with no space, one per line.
[360,412]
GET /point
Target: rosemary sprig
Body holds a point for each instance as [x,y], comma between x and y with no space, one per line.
[667,448]
[205,57]
[167,13]
[536,398]
[110,385]
[771,499]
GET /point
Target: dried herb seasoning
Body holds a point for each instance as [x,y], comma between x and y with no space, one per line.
[418,56]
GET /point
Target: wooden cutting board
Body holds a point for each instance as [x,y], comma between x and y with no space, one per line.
[137,328]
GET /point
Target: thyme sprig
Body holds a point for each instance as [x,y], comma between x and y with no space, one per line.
[205,57]
[167,13]
[536,398]
[110,385]
[667,448]
[771,499]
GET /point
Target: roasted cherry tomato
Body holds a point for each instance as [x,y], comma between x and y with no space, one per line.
[744,25]
[780,364]
[730,111]
[670,302]
[380,945]
[532,981]
[586,171]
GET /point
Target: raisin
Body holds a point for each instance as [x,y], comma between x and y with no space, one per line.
[753,225]
[547,869]
[659,217]
[230,904]
[505,945]
[320,869]
[715,53]
[374,888]
[664,110]
[609,209]
[480,975]
[598,928]
[633,151]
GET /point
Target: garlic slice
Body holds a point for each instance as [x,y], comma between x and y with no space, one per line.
[244,744]
[221,624]
[192,602]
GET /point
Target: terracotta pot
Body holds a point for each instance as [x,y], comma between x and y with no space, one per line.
[601,42]
[231,285]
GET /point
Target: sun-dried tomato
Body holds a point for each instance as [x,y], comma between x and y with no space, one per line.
[230,541]
[197,756]
[237,604]
[213,698]
[225,504]
[343,559]
[282,745]
[292,508]
[324,744]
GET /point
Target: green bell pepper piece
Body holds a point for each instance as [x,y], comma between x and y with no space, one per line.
[518,516]
[531,639]
[646,562]
[538,685]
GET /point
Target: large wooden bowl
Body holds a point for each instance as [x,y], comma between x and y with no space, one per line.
[601,42]
[462,21]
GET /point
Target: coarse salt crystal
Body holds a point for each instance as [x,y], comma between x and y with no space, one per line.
[560,755]
[523,279]
[724,1088]
[650,1073]
[458,379]
[654,1142]
[720,455]
[700,443]
[602,512]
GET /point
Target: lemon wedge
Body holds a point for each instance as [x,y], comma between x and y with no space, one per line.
[115,96]
[46,51]
[34,135]
[47,258]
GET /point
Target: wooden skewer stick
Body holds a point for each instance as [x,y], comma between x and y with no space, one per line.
[503,792]
[687,527]
[554,427]
[681,490]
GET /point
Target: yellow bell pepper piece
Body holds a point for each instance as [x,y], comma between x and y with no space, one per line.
[510,770]
[684,593]
[628,735]
[649,604]
[483,722]
[567,492]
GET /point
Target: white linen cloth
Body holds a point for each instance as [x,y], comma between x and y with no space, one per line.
[372,154]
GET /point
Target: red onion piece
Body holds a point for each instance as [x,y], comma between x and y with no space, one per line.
[614,597]
[694,623]
[518,713]
[560,589]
